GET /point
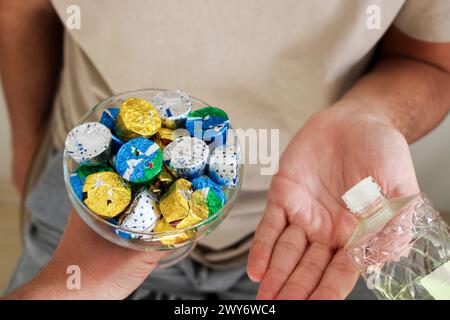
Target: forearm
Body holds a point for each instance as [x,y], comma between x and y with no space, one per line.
[47,285]
[411,95]
[30,49]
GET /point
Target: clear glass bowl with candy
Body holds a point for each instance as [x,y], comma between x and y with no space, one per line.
[153,170]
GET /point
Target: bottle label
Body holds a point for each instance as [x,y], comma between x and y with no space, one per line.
[437,283]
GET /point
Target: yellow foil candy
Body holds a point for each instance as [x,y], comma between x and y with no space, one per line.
[164,226]
[137,118]
[106,194]
[198,210]
[174,205]
[163,137]
[162,182]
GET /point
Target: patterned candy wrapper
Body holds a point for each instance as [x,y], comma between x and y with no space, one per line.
[139,160]
[89,143]
[141,216]
[174,205]
[109,119]
[209,124]
[137,118]
[213,194]
[106,194]
[173,107]
[186,157]
[224,166]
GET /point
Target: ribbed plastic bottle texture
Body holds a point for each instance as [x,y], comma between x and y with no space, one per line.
[402,249]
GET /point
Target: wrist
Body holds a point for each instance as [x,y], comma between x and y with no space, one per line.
[360,111]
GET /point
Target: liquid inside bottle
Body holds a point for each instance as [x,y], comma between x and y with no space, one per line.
[401,246]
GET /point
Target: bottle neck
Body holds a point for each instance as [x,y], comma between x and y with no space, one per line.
[369,211]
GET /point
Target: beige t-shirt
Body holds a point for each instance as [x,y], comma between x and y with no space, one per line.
[268,64]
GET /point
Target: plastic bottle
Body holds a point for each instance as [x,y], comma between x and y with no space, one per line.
[401,246]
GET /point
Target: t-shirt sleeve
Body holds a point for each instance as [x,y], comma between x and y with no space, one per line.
[426,20]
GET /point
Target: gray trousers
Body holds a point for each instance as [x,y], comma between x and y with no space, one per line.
[50,206]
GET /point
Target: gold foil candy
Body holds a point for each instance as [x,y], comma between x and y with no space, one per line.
[170,239]
[165,177]
[162,182]
[137,118]
[106,194]
[174,205]
[163,137]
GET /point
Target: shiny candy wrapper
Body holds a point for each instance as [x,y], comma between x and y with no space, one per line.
[198,210]
[186,157]
[163,137]
[214,196]
[162,182]
[224,166]
[141,216]
[174,205]
[78,178]
[109,119]
[168,240]
[89,143]
[209,124]
[77,185]
[106,194]
[173,107]
[137,118]
[139,160]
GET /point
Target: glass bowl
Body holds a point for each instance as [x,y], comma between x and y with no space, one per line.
[181,242]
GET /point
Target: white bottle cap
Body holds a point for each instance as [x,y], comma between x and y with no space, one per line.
[361,195]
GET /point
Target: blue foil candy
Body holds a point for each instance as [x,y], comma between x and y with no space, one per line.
[139,160]
[209,124]
[109,119]
[204,182]
[77,184]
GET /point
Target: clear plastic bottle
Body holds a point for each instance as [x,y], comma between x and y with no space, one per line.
[401,246]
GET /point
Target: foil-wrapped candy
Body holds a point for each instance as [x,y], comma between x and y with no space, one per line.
[186,157]
[106,194]
[139,160]
[78,178]
[108,118]
[212,193]
[141,216]
[137,118]
[171,239]
[174,204]
[209,124]
[89,143]
[163,137]
[224,166]
[162,182]
[173,107]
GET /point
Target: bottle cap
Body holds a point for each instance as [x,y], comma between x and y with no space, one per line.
[361,195]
